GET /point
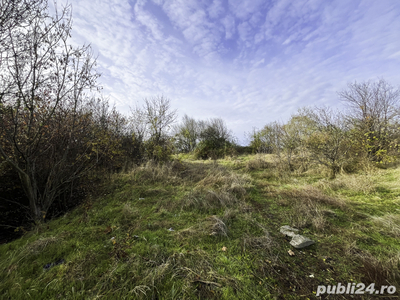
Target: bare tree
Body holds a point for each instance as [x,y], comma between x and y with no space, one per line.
[186,134]
[150,126]
[374,111]
[329,143]
[42,104]
[109,135]
[138,129]
[138,123]
[159,116]
[17,14]
[289,136]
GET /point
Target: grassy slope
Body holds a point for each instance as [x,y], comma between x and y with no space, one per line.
[225,242]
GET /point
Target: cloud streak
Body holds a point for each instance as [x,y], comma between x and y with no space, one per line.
[250,62]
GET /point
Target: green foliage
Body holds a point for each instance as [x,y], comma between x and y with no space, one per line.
[186,134]
[264,140]
[158,150]
[213,149]
[208,139]
[215,140]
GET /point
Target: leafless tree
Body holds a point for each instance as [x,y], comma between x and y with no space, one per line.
[138,124]
[17,14]
[42,103]
[159,116]
[329,142]
[186,134]
[150,126]
[375,112]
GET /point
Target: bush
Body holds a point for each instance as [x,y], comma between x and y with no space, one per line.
[208,149]
[159,151]
[215,140]
[243,149]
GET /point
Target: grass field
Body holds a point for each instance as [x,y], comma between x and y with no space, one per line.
[210,230]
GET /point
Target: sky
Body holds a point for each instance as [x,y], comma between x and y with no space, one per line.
[249,62]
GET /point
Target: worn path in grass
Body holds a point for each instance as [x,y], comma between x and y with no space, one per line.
[210,230]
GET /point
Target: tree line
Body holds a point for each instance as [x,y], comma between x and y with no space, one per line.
[57,129]
[368,130]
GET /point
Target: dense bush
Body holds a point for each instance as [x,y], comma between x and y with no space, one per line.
[210,139]
[54,127]
[215,140]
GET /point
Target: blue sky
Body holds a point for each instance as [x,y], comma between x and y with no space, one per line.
[248,61]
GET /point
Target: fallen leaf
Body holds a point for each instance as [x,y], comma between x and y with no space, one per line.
[108,229]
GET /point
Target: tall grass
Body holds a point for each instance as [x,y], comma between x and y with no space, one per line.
[210,230]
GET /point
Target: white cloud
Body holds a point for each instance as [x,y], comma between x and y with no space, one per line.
[247,61]
[216,9]
[244,30]
[229,23]
[243,9]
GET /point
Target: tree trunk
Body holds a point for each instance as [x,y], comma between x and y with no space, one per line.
[31,193]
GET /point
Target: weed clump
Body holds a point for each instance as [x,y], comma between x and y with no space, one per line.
[390,222]
[217,226]
[309,207]
[355,183]
[218,189]
[257,163]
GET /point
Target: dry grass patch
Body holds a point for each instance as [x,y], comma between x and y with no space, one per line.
[195,268]
[378,271]
[308,213]
[210,226]
[390,222]
[39,245]
[221,178]
[219,188]
[129,212]
[257,242]
[357,183]
[202,174]
[216,226]
[210,200]
[257,163]
[264,241]
[152,172]
[309,207]
[313,194]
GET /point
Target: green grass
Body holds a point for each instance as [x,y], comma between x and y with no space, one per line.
[225,241]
